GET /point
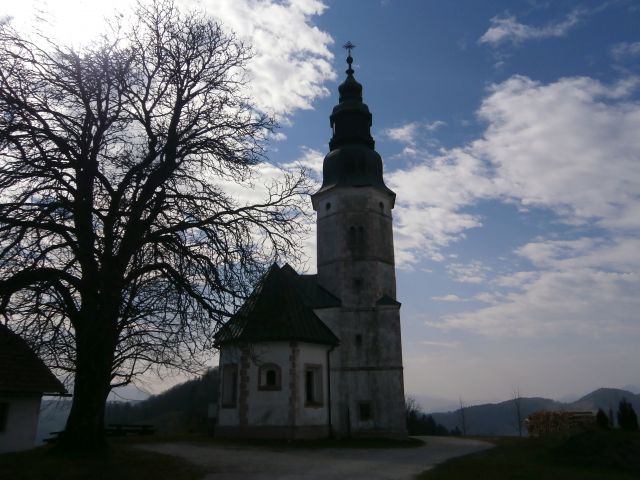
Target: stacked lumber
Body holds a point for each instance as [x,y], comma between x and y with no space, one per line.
[541,424]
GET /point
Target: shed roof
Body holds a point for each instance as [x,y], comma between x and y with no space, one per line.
[277,311]
[21,371]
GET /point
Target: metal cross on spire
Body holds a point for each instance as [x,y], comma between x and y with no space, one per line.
[348,47]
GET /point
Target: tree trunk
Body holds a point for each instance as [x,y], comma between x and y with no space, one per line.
[95,346]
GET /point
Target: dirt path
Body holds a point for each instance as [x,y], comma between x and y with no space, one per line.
[261,463]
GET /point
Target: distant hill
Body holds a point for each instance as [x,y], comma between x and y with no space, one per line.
[182,408]
[494,418]
[500,418]
[606,398]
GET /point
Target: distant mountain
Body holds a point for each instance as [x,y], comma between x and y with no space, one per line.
[129,393]
[500,418]
[494,418]
[605,398]
[185,408]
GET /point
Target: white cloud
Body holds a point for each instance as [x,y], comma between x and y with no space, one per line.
[291,61]
[312,161]
[569,146]
[578,301]
[625,51]
[612,254]
[506,28]
[488,297]
[449,298]
[585,286]
[411,132]
[473,272]
[430,196]
[436,343]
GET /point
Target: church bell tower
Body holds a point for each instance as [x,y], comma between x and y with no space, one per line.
[356,264]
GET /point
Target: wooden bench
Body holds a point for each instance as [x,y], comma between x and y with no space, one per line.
[122,429]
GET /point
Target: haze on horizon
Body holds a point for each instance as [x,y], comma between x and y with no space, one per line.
[509,132]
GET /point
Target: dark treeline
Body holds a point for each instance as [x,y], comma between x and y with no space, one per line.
[181,409]
[423,424]
[184,408]
[419,423]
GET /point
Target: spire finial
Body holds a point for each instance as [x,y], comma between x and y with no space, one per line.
[348,47]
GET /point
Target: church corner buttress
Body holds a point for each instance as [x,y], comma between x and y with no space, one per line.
[356,265]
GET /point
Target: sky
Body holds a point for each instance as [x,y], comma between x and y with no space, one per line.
[510,134]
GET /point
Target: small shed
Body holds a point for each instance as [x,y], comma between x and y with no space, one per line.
[24,379]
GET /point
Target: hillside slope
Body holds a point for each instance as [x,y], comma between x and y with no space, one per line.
[500,418]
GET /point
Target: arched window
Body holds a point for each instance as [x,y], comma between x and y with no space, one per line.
[269,377]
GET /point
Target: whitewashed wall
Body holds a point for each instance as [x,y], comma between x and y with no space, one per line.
[22,423]
[269,407]
[314,355]
[273,407]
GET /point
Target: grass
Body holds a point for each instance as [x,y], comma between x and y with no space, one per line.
[119,462]
[594,455]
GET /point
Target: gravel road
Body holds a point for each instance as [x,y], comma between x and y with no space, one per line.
[260,463]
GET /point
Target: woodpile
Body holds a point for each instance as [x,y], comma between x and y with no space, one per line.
[542,424]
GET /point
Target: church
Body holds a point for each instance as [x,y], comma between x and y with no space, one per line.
[316,356]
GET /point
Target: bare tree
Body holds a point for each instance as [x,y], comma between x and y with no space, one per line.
[463,417]
[517,409]
[412,407]
[120,246]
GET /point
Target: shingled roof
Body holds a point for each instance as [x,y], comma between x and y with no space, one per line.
[311,294]
[277,311]
[21,371]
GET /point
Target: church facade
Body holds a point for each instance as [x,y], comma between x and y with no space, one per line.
[312,356]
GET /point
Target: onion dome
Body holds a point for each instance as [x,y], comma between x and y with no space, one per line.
[352,160]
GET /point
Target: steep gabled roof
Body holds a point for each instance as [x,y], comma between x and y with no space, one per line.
[21,371]
[275,311]
[312,294]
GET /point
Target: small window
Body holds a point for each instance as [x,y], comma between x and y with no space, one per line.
[351,239]
[328,206]
[269,377]
[356,241]
[358,340]
[361,240]
[381,205]
[313,385]
[4,414]
[365,411]
[229,385]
